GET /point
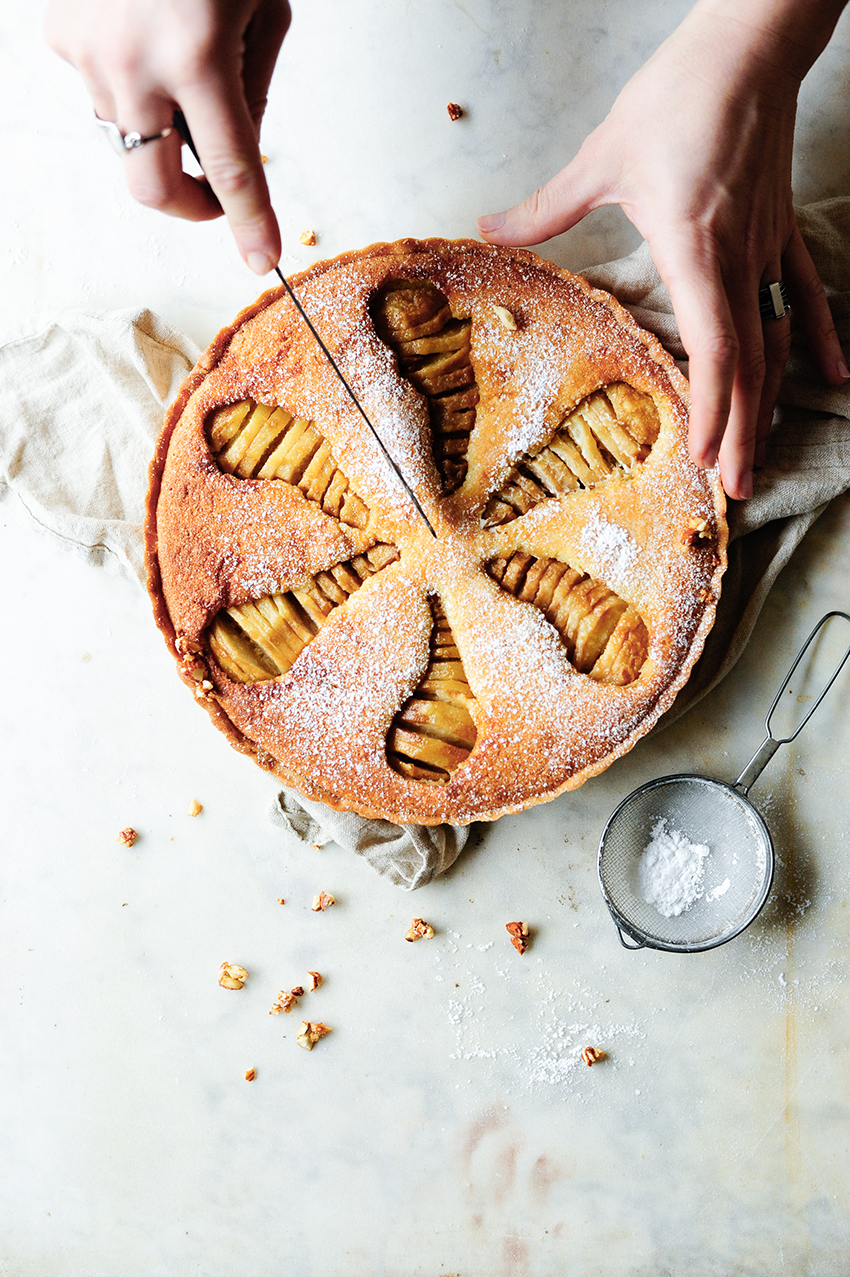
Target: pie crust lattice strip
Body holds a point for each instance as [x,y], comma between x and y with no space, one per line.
[578,557]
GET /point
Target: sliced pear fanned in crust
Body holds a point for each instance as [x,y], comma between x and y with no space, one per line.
[433,732]
[414,319]
[609,432]
[261,640]
[605,638]
[256,441]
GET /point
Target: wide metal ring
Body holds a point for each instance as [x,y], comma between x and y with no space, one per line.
[123,142]
[773,301]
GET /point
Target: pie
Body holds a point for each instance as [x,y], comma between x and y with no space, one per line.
[517,646]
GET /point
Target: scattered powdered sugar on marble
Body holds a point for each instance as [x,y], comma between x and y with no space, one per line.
[540,1045]
[670,870]
[613,546]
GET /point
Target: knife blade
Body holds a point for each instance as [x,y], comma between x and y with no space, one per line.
[183,129]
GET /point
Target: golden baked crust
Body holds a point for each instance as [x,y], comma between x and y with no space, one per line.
[578,559]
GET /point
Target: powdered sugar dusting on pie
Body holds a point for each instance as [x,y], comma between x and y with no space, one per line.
[239,550]
[611,545]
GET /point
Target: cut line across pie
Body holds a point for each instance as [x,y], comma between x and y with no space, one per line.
[560,607]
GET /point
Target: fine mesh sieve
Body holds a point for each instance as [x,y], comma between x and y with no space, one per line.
[739,870]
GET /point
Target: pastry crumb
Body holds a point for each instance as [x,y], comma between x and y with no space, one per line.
[315,980]
[322,902]
[298,991]
[250,1074]
[506,318]
[232,977]
[127,837]
[285,1002]
[264,158]
[420,930]
[280,900]
[455,111]
[519,933]
[592,1055]
[195,808]
[310,1033]
[308,238]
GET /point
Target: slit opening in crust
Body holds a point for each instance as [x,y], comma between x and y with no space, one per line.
[433,733]
[604,636]
[253,642]
[414,318]
[257,441]
[607,435]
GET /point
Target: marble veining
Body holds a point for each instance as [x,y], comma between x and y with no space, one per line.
[447,1125]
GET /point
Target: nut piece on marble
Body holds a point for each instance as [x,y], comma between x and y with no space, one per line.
[506,318]
[127,837]
[250,1074]
[322,902]
[310,1033]
[519,934]
[308,238]
[455,111]
[195,808]
[420,930]
[315,980]
[592,1055]
[232,977]
[285,1002]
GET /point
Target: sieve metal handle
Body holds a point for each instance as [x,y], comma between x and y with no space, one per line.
[639,944]
[771,743]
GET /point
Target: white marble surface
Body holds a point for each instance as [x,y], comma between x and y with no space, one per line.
[446,1126]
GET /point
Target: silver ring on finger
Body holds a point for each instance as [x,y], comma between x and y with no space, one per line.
[773,301]
[123,142]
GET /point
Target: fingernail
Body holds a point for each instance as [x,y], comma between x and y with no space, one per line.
[843,370]
[746,487]
[260,263]
[492,222]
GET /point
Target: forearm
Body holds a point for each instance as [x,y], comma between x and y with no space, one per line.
[787,35]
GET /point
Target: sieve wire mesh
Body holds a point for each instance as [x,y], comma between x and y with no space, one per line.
[705,811]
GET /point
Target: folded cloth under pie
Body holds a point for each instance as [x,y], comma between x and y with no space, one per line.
[82,398]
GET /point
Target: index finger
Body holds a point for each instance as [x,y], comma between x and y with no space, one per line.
[224,134]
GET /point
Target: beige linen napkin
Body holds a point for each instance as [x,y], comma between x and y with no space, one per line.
[81,404]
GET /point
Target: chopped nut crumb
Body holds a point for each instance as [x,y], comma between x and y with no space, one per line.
[280,900]
[232,977]
[455,111]
[592,1055]
[519,935]
[250,1074]
[310,1033]
[697,530]
[308,238]
[298,991]
[506,318]
[195,808]
[315,980]
[127,837]
[285,1002]
[264,158]
[420,930]
[322,902]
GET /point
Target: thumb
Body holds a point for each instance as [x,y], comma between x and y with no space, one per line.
[551,209]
